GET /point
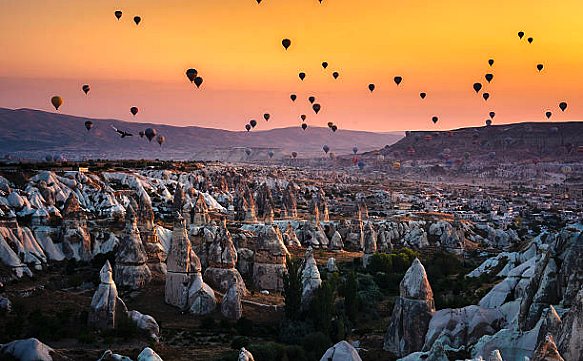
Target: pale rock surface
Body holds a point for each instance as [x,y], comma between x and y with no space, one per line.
[29,349]
[106,306]
[131,268]
[270,258]
[245,355]
[231,306]
[342,351]
[146,324]
[148,354]
[311,280]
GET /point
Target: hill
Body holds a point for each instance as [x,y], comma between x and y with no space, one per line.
[35,134]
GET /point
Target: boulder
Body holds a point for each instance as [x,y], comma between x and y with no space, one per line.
[147,324]
[342,351]
[29,349]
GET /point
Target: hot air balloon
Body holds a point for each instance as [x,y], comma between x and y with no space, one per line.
[286,43]
[530,40]
[520,34]
[477,87]
[191,74]
[330,124]
[57,101]
[253,123]
[258,1]
[137,20]
[303,117]
[88,125]
[397,165]
[486,96]
[548,115]
[304,126]
[422,95]
[490,62]
[293,97]
[324,64]
[326,148]
[118,14]
[134,111]
[489,77]
[294,155]
[360,164]
[539,67]
[312,100]
[334,128]
[248,151]
[435,120]
[266,116]
[563,106]
[270,154]
[160,139]
[198,81]
[142,133]
[398,80]
[150,133]
[316,107]
[85,89]
[302,75]
[488,122]
[248,127]
[492,115]
[371,87]
[354,150]
[335,75]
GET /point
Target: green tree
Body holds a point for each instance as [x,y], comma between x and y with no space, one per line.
[292,288]
[322,308]
[351,296]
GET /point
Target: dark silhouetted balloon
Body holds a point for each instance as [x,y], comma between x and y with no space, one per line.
[491,62]
[293,97]
[520,34]
[266,116]
[286,43]
[312,100]
[118,14]
[248,127]
[334,128]
[324,64]
[330,124]
[304,126]
[134,111]
[88,125]
[398,80]
[371,87]
[492,115]
[85,88]
[422,95]
[326,148]
[435,120]
[486,96]
[198,81]
[57,101]
[530,40]
[316,107]
[253,123]
[248,151]
[302,75]
[355,150]
[150,133]
[270,154]
[303,117]
[477,87]
[539,67]
[548,115]
[335,75]
[489,77]
[160,139]
[294,155]
[488,122]
[258,1]
[137,20]
[563,106]
[191,74]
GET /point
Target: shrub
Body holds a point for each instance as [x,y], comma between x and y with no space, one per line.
[239,341]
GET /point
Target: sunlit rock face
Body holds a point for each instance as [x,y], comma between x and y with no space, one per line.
[131,269]
[106,307]
[290,237]
[231,306]
[412,313]
[270,257]
[570,335]
[265,204]
[370,243]
[289,202]
[182,265]
[547,351]
[201,297]
[76,241]
[222,258]
[149,235]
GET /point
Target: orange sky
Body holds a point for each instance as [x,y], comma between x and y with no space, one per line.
[52,47]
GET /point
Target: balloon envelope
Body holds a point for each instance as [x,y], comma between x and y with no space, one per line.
[134,110]
[86,88]
[137,20]
[398,80]
[150,133]
[286,43]
[563,106]
[57,101]
[477,87]
[371,87]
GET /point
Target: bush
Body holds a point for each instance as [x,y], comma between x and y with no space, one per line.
[292,332]
[269,351]
[239,341]
[244,326]
[315,344]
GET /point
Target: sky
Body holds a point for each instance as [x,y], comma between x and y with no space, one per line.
[53,47]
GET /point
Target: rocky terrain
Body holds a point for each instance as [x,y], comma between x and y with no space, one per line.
[224,262]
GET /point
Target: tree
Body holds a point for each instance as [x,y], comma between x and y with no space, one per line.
[322,308]
[351,297]
[292,288]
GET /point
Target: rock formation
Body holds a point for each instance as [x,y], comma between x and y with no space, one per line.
[290,238]
[342,351]
[289,207]
[149,235]
[148,354]
[270,257]
[370,243]
[146,324]
[106,307]
[311,280]
[412,313]
[245,355]
[570,335]
[265,204]
[231,306]
[201,297]
[131,269]
[547,351]
[76,241]
[29,349]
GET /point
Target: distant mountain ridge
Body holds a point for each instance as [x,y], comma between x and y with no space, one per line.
[34,134]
